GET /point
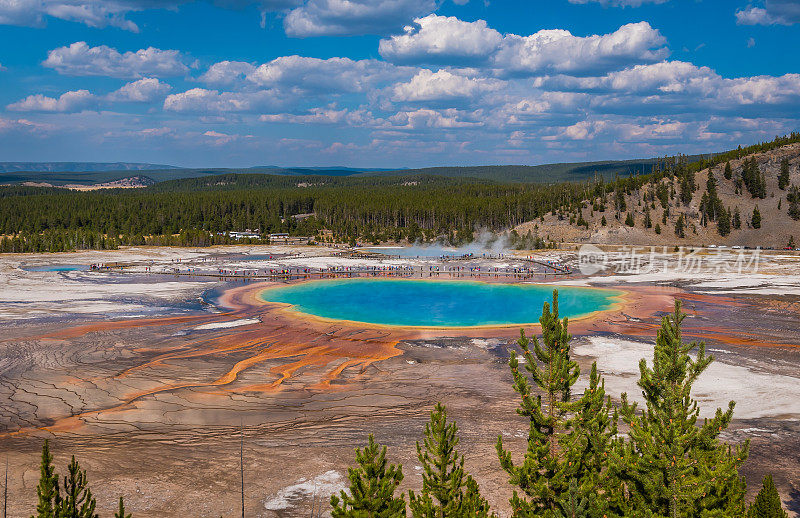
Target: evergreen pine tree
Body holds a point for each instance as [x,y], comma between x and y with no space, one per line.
[47,490]
[566,439]
[794,202]
[756,219]
[372,487]
[447,491]
[670,467]
[658,228]
[475,502]
[77,501]
[783,177]
[629,220]
[724,222]
[592,431]
[767,503]
[680,229]
[704,210]
[573,505]
[736,222]
[542,476]
[121,511]
[728,172]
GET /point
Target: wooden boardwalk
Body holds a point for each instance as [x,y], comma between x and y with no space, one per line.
[307,273]
[425,270]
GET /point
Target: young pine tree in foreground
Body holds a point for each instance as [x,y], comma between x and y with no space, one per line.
[591,436]
[372,487]
[47,490]
[669,466]
[77,500]
[447,490]
[566,439]
[767,503]
[121,511]
[73,499]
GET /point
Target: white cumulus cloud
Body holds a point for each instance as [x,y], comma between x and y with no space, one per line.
[448,40]
[441,39]
[344,17]
[200,100]
[79,59]
[144,90]
[442,85]
[94,13]
[680,87]
[109,13]
[326,75]
[553,51]
[68,102]
[227,73]
[426,118]
[774,12]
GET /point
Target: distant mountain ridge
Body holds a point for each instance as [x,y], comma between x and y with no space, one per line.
[545,173]
[78,167]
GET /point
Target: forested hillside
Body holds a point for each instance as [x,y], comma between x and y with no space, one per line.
[748,198]
[546,173]
[676,202]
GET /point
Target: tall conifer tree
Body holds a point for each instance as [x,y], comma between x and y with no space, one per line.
[47,490]
[566,439]
[447,490]
[756,219]
[768,502]
[592,431]
[783,177]
[77,500]
[736,221]
[372,487]
[670,467]
[724,221]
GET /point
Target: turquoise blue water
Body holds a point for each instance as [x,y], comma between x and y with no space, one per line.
[435,303]
[414,251]
[61,268]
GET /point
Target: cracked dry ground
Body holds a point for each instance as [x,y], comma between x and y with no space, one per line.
[154,412]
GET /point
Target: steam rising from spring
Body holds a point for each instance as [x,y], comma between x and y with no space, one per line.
[485,242]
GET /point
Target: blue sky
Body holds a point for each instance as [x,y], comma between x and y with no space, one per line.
[392,83]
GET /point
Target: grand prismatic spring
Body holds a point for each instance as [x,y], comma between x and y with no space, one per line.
[432,303]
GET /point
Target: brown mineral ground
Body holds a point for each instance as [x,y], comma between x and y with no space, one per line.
[153,407]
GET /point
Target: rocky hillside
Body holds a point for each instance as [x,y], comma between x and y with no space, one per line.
[776,230]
